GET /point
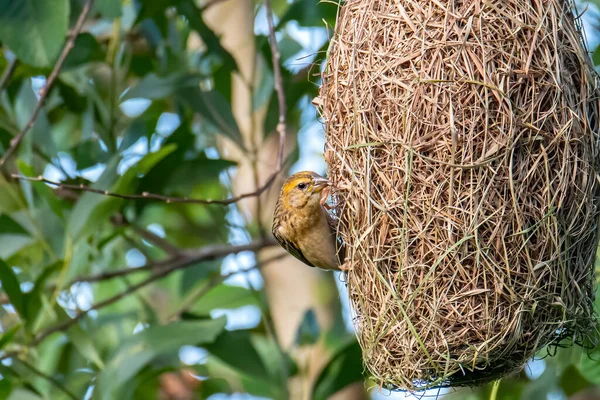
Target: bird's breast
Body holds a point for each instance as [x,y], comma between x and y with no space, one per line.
[318,246]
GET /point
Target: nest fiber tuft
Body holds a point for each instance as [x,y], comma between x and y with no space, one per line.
[463,138]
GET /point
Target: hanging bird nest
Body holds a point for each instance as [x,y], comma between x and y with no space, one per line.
[463,139]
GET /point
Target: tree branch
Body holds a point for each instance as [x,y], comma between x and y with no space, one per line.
[104,276]
[205,254]
[191,258]
[14,143]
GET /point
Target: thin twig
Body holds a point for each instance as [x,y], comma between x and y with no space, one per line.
[146,195]
[43,93]
[8,73]
[49,378]
[281,126]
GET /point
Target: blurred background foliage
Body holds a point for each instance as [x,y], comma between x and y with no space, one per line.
[112,298]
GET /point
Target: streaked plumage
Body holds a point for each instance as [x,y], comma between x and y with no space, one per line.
[302,225]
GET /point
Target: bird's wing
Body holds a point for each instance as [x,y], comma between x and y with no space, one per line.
[291,248]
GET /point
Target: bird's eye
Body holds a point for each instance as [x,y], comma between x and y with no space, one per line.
[301,186]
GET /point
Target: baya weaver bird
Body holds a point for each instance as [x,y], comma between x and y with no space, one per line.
[302,225]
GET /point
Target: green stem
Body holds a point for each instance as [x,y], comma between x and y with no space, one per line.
[495,387]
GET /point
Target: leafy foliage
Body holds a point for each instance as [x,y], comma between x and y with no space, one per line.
[34,30]
[133,110]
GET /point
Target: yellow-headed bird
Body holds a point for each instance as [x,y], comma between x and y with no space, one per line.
[302,225]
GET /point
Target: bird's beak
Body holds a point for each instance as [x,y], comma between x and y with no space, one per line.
[320,184]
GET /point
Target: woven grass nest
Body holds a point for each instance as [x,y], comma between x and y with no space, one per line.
[463,139]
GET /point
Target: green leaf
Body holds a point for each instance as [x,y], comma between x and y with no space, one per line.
[40,132]
[86,49]
[572,381]
[74,102]
[310,13]
[12,288]
[140,349]
[8,225]
[213,386]
[89,153]
[84,344]
[34,29]
[5,138]
[158,87]
[153,9]
[159,179]
[274,359]
[22,394]
[215,108]
[109,9]
[139,128]
[8,336]
[309,330]
[185,175]
[11,244]
[33,299]
[188,9]
[344,368]
[125,183]
[235,348]
[26,169]
[5,388]
[143,126]
[191,277]
[156,9]
[589,367]
[565,357]
[224,297]
[92,209]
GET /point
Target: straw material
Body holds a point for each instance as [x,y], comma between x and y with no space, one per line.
[463,139]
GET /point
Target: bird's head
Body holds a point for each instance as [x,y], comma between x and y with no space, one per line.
[304,189]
